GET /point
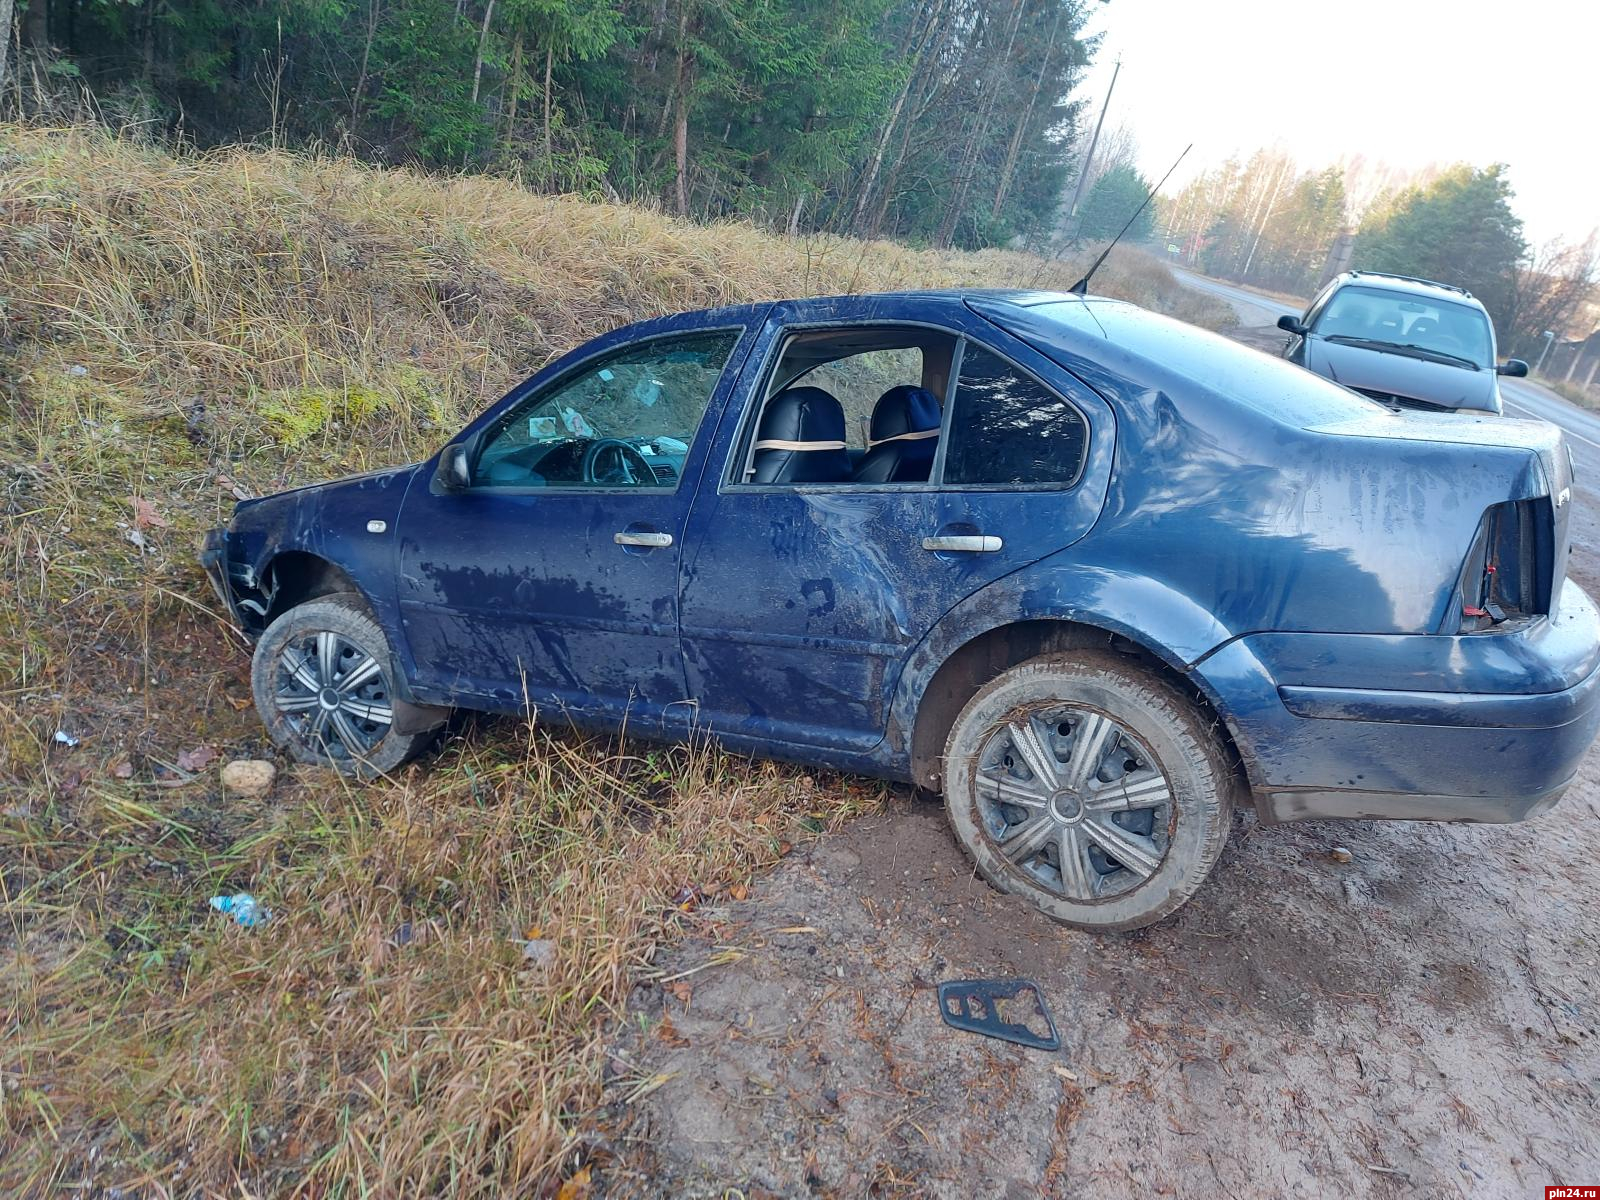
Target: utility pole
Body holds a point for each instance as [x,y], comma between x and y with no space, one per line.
[1549,336]
[1083,171]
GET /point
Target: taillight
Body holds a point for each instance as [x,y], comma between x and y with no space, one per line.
[1507,571]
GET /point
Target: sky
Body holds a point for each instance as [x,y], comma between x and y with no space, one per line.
[1405,84]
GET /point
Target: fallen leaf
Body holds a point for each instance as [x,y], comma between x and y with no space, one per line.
[740,891]
[145,515]
[123,770]
[784,848]
[196,759]
[238,705]
[533,933]
[669,1034]
[681,991]
[576,1185]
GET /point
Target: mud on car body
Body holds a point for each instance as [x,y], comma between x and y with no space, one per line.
[1096,575]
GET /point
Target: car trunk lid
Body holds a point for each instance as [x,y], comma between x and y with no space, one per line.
[1548,475]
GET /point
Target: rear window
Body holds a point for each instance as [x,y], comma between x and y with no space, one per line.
[1008,428]
[1260,381]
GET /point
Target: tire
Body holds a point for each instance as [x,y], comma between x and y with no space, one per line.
[1102,783]
[371,731]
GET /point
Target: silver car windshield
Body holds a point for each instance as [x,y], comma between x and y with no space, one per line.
[1373,315]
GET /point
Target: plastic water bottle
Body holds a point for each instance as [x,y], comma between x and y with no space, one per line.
[243,908]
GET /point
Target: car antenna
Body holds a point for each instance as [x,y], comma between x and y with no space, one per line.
[1082,286]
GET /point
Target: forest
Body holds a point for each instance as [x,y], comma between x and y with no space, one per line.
[943,124]
[946,123]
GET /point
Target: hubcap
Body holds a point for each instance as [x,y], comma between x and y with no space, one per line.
[1074,801]
[1067,808]
[334,695]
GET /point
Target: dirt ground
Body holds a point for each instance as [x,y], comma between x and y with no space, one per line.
[1420,1021]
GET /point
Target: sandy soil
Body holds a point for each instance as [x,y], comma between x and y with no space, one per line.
[1421,1021]
[1418,1022]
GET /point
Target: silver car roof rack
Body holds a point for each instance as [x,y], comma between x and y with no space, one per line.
[1449,287]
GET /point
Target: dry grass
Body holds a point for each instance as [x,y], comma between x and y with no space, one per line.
[172,328]
[1576,393]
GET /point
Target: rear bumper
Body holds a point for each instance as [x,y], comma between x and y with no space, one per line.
[1486,727]
[1276,807]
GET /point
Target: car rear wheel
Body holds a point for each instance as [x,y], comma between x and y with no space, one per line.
[323,684]
[1091,788]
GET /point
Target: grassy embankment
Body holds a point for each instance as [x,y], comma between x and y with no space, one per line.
[178,327]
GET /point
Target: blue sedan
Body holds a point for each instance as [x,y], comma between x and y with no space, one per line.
[1096,575]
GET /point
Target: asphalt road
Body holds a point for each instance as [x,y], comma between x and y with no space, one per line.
[1522,397]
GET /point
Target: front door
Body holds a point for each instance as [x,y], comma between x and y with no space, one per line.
[552,579]
[800,603]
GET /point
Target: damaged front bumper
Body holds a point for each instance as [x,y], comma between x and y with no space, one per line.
[234,583]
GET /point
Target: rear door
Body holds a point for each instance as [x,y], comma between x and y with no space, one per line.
[800,603]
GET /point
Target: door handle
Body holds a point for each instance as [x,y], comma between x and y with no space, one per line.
[656,541]
[972,543]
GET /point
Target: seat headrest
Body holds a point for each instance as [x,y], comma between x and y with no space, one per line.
[801,418]
[905,413]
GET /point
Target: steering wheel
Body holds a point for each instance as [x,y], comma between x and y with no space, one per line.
[632,465]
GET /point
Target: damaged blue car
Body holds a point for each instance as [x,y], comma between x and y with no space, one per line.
[1095,575]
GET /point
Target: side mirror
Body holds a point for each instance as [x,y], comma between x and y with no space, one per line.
[1291,324]
[453,474]
[1515,368]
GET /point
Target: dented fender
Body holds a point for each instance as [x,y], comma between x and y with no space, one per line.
[1139,608]
[348,524]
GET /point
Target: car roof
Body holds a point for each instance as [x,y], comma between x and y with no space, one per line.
[865,306]
[1410,285]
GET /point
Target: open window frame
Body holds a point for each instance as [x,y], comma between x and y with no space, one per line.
[741,459]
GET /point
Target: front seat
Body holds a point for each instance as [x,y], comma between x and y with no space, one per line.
[1352,321]
[903,437]
[801,439]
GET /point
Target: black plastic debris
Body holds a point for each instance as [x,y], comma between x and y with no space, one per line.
[971,1005]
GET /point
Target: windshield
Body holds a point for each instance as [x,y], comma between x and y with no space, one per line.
[1397,319]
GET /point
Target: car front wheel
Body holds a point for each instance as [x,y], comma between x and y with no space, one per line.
[323,684]
[1090,787]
